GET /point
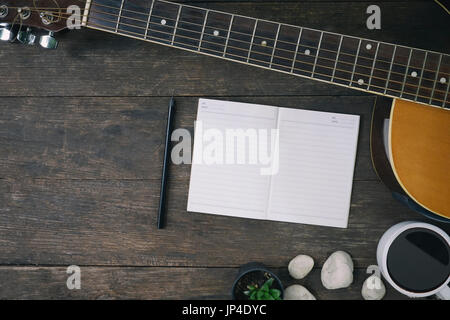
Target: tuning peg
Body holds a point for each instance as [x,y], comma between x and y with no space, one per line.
[6,34]
[26,37]
[48,41]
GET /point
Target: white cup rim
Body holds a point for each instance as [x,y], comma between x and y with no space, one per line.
[402,227]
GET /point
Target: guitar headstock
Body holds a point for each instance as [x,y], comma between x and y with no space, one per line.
[18,17]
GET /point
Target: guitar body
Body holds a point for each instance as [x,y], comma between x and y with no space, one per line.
[419,153]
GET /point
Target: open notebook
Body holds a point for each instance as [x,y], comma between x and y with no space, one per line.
[310,183]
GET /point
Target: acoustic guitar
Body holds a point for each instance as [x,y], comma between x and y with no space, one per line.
[412,84]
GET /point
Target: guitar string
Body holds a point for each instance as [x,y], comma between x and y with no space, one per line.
[340,53]
[279,57]
[288,59]
[242,33]
[275,56]
[286,67]
[167,41]
[304,70]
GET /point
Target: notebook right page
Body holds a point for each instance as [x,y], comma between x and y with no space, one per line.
[316,164]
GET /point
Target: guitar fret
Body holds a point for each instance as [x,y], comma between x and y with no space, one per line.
[133,18]
[317,54]
[176,24]
[214,35]
[148,20]
[435,79]
[337,58]
[263,48]
[373,66]
[203,31]
[390,69]
[364,64]
[307,52]
[446,94]
[412,74]
[296,50]
[274,45]
[120,14]
[251,42]
[440,91]
[406,73]
[189,28]
[162,22]
[228,36]
[356,60]
[240,40]
[285,48]
[346,60]
[421,76]
[381,67]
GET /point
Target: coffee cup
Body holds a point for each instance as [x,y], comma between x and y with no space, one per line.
[414,257]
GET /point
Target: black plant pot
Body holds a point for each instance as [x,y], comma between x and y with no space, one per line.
[250,274]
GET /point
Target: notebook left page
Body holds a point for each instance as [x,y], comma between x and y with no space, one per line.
[227,175]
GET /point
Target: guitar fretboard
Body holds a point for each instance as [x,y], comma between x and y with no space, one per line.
[373,66]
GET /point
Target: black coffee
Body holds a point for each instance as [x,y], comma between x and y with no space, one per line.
[418,260]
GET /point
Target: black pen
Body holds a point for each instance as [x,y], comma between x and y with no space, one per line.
[162,197]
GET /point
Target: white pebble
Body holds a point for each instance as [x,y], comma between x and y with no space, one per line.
[163,22]
[216,32]
[307,52]
[360,82]
[414,74]
[300,266]
[368,46]
[337,271]
[297,292]
[373,288]
[442,80]
[264,43]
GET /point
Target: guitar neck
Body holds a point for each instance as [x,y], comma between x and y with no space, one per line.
[372,66]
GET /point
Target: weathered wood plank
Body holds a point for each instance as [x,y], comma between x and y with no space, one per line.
[92,63]
[153,283]
[113,222]
[122,138]
[283,1]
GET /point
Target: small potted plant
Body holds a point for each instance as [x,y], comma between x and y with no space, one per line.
[256,282]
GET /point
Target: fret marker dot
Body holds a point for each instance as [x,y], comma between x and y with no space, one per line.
[307,52]
[368,46]
[360,82]
[216,32]
[264,43]
[413,74]
[442,80]
[163,22]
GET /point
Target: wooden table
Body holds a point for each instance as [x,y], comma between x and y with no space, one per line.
[81,147]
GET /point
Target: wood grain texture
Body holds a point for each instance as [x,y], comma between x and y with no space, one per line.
[81,136]
[122,138]
[154,283]
[112,222]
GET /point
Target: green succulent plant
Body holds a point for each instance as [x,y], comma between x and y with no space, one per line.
[265,292]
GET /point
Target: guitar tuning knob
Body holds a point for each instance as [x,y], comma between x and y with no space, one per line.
[26,37]
[6,34]
[48,41]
